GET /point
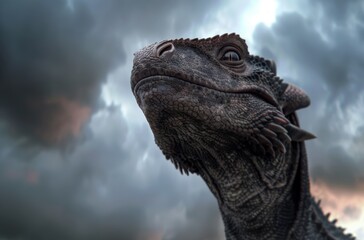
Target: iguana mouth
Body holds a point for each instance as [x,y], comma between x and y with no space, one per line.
[248,89]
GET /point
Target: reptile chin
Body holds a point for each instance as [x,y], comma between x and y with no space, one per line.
[154,79]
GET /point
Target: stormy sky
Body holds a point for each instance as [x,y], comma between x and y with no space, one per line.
[77,157]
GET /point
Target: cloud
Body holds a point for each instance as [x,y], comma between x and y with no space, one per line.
[108,180]
[323,55]
[50,52]
[352,212]
[67,50]
[341,170]
[152,19]
[110,186]
[342,204]
[338,11]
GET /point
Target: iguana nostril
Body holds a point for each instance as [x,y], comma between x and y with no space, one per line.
[164,49]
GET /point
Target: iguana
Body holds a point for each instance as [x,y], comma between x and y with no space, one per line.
[225,115]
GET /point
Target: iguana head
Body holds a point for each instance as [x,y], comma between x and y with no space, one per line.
[217,111]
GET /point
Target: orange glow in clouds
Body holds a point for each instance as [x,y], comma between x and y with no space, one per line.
[345,205]
[64,119]
[154,235]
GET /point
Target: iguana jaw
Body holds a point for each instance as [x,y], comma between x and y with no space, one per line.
[260,92]
[170,104]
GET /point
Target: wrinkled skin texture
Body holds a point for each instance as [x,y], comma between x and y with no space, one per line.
[221,113]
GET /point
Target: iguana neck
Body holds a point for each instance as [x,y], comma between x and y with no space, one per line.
[302,222]
[262,215]
[273,222]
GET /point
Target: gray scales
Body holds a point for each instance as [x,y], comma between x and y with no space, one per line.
[223,114]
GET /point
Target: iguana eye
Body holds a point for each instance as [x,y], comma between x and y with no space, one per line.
[231,56]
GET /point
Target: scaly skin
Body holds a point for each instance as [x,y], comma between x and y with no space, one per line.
[221,113]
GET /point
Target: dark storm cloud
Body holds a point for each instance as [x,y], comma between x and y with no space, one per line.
[336,62]
[338,11]
[154,20]
[322,46]
[101,190]
[338,169]
[112,183]
[50,51]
